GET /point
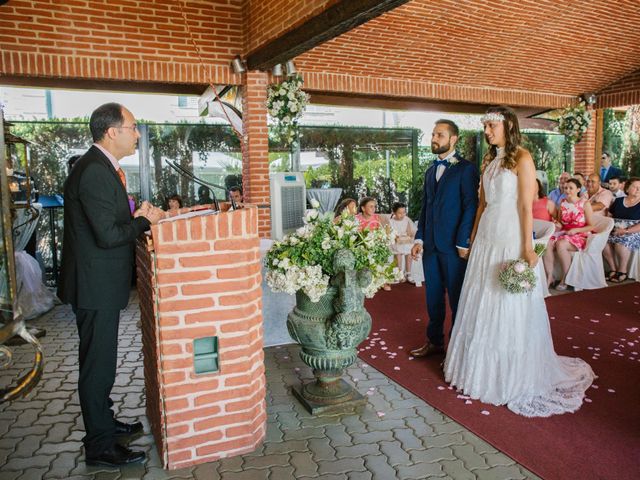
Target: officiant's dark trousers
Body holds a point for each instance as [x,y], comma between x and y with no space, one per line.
[443,273]
[98,330]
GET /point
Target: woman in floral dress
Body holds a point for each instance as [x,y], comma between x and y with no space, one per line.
[574,221]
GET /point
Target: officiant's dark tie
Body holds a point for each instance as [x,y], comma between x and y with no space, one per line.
[123,177]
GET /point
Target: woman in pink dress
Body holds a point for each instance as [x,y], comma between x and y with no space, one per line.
[543,208]
[573,219]
[367,216]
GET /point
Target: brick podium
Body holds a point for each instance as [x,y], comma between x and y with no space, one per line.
[199,284]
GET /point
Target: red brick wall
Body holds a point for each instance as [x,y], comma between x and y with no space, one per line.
[498,51]
[622,93]
[255,148]
[203,279]
[389,86]
[267,20]
[585,150]
[132,40]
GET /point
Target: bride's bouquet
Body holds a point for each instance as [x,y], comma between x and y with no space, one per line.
[516,276]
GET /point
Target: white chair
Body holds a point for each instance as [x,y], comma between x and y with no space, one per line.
[542,231]
[417,272]
[587,270]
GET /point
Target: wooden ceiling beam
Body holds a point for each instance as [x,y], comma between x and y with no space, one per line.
[332,22]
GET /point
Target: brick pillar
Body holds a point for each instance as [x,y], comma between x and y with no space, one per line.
[255,148]
[200,278]
[585,150]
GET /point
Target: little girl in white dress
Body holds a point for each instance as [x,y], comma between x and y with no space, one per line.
[405,230]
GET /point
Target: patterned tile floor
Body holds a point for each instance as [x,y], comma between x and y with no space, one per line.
[40,437]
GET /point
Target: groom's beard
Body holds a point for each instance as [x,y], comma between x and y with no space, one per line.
[442,149]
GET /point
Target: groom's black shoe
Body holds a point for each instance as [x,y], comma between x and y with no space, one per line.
[127,429]
[427,349]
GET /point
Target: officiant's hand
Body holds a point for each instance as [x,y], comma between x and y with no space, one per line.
[531,257]
[154,215]
[416,250]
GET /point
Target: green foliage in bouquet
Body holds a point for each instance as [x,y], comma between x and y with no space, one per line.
[303,260]
[516,276]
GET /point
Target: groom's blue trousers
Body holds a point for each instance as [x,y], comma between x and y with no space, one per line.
[443,272]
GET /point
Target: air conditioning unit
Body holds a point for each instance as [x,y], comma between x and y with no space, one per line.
[288,203]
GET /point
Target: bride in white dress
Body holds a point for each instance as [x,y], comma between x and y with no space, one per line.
[501,350]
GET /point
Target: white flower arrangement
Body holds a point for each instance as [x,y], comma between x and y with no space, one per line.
[574,121]
[286,102]
[303,260]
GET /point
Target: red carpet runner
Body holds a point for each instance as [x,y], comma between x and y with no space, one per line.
[599,441]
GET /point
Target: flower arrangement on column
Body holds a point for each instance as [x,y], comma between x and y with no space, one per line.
[303,260]
[573,123]
[286,102]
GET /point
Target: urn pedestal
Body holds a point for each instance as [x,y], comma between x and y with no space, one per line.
[329,332]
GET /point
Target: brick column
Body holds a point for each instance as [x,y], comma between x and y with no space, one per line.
[200,278]
[255,148]
[585,150]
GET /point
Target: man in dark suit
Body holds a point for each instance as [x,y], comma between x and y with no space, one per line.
[608,171]
[97,262]
[449,204]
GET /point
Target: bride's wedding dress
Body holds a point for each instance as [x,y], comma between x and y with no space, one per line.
[501,351]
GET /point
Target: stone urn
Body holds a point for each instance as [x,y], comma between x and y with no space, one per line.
[329,332]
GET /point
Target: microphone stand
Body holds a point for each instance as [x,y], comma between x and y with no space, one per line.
[187,173]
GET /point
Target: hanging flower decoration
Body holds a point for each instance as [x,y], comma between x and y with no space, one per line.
[574,121]
[286,102]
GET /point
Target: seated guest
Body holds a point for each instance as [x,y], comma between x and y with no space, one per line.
[608,171]
[204,196]
[71,161]
[543,208]
[574,218]
[557,194]
[583,189]
[349,205]
[599,197]
[625,236]
[174,203]
[616,186]
[405,231]
[236,196]
[367,216]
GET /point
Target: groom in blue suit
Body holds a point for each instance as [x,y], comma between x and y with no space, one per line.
[449,204]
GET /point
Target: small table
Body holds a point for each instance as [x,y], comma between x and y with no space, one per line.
[326,197]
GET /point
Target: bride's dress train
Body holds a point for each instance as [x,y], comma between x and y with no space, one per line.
[501,350]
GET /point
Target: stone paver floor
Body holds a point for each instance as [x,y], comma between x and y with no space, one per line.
[40,436]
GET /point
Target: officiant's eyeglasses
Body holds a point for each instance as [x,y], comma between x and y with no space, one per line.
[133,127]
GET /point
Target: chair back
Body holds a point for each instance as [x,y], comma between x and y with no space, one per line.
[598,239]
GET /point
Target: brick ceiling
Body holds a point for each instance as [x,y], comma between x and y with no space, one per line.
[557,47]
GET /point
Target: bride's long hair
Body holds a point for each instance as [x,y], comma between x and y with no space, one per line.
[512,137]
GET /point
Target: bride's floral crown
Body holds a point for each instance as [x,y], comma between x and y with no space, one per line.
[492,117]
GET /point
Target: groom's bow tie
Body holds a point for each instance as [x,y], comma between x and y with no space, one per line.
[441,162]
